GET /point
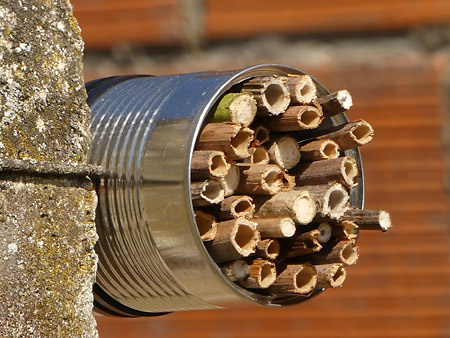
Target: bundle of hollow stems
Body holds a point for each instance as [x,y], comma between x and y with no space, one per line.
[270,186]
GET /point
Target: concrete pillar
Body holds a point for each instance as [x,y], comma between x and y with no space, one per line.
[47,204]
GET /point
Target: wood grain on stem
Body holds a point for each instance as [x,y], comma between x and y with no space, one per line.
[282,227]
[260,179]
[234,239]
[343,170]
[301,88]
[237,206]
[209,164]
[319,150]
[332,199]
[298,279]
[330,275]
[234,140]
[369,219]
[295,118]
[296,204]
[284,151]
[262,274]
[271,94]
[335,103]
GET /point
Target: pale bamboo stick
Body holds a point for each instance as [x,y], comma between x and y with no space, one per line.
[237,206]
[319,150]
[209,164]
[335,103]
[284,151]
[282,227]
[343,170]
[239,108]
[234,239]
[301,88]
[344,252]
[260,179]
[271,94]
[296,204]
[207,192]
[262,274]
[295,118]
[350,135]
[330,275]
[295,279]
[332,199]
[234,140]
[369,219]
[268,248]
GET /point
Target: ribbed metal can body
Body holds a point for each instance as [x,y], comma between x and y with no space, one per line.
[151,257]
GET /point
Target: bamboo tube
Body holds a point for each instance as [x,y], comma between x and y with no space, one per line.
[345,231]
[295,279]
[335,103]
[207,192]
[325,232]
[314,103]
[258,155]
[237,206]
[260,179]
[288,182]
[331,199]
[268,248]
[262,274]
[234,239]
[330,275]
[236,271]
[262,135]
[295,118]
[305,244]
[231,181]
[296,204]
[271,94]
[301,88]
[369,219]
[282,227]
[319,150]
[232,139]
[206,224]
[239,108]
[209,164]
[285,152]
[344,252]
[350,135]
[343,170]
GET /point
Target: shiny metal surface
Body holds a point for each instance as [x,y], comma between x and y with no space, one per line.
[151,258]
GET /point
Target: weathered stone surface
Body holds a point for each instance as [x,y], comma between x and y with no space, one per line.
[47,257]
[44,115]
[47,229]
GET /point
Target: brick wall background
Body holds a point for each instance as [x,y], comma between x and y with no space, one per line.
[393,56]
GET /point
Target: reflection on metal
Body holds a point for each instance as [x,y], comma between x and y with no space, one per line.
[151,258]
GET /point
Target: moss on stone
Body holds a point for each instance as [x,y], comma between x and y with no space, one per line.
[47,224]
[41,75]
